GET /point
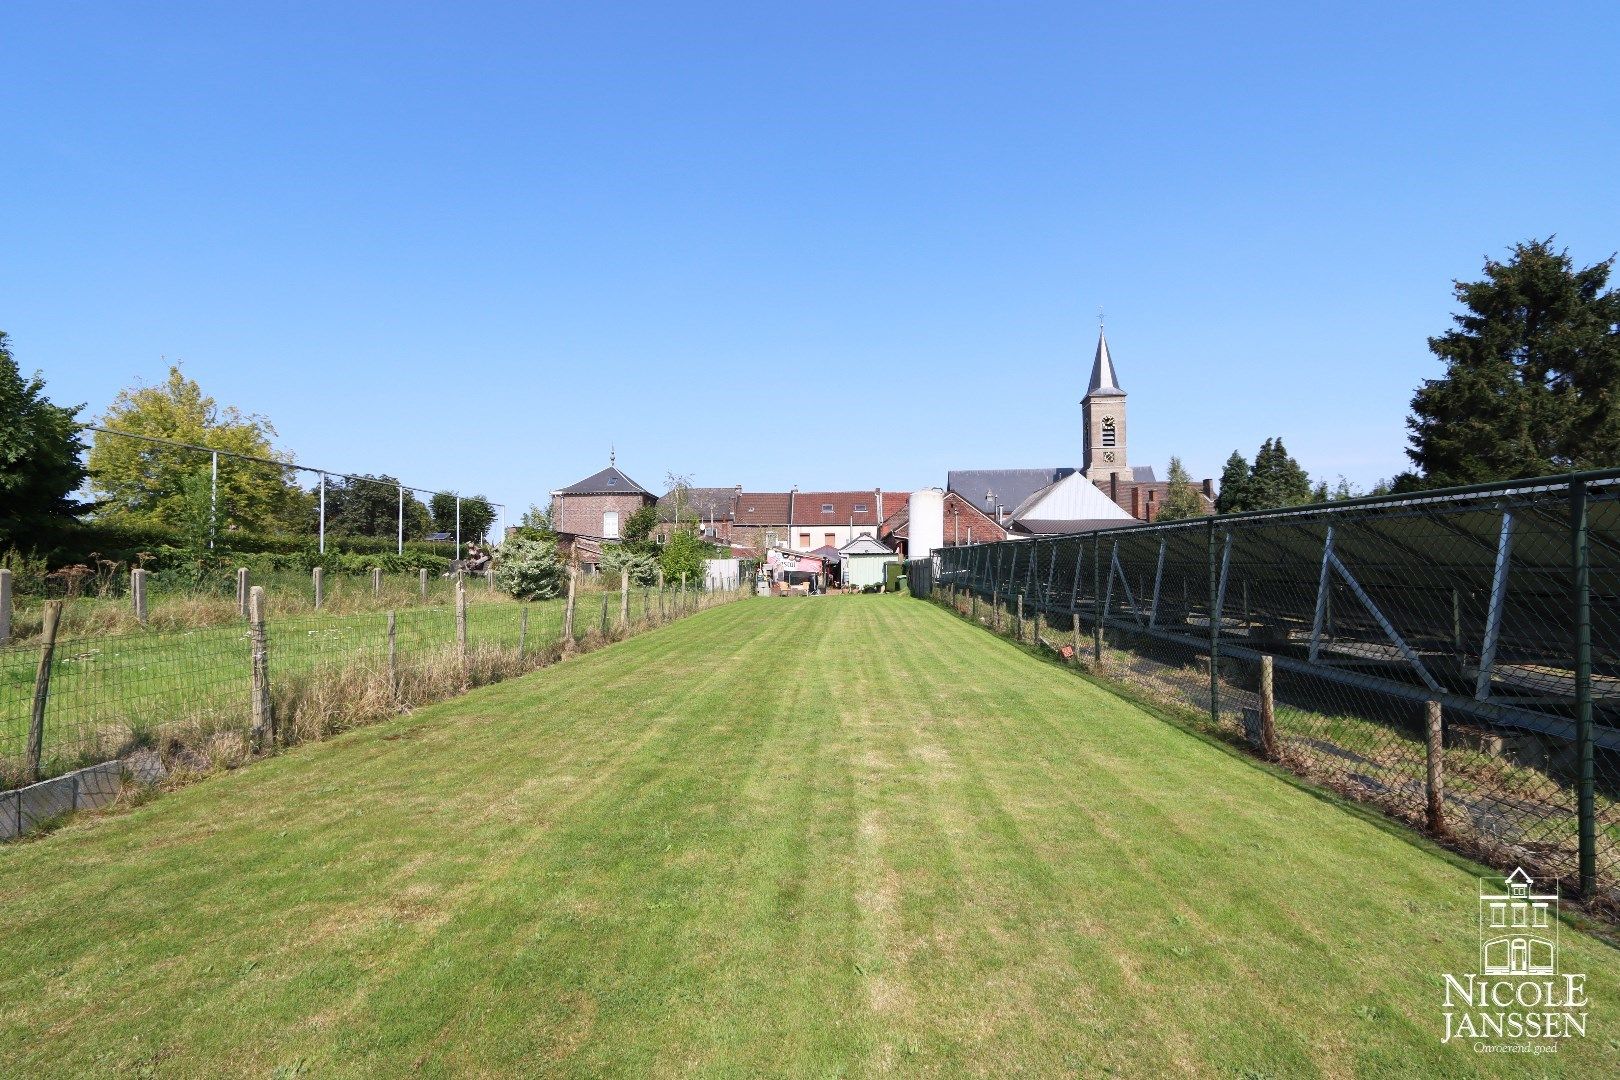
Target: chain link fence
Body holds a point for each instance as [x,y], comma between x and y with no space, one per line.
[1452,658]
[188,696]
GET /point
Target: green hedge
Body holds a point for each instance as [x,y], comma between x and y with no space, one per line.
[343,553]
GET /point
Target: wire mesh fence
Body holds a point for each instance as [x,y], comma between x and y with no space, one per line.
[1452,658]
[67,701]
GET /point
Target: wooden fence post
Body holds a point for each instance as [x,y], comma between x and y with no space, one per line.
[42,688]
[523,630]
[624,599]
[1437,780]
[242,590]
[646,605]
[421,583]
[681,607]
[5,605]
[376,582]
[264,718]
[320,587]
[1268,712]
[1076,618]
[973,605]
[393,658]
[137,594]
[604,626]
[1018,627]
[568,613]
[461,620]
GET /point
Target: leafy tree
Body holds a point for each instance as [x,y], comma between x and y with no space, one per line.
[477,515]
[529,568]
[39,457]
[1182,499]
[195,519]
[537,519]
[685,553]
[678,507]
[639,525]
[143,483]
[369,506]
[1532,380]
[442,508]
[1234,493]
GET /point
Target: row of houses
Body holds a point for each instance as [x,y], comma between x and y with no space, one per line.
[975,505]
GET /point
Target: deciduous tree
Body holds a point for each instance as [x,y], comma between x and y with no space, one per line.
[143,483]
[370,506]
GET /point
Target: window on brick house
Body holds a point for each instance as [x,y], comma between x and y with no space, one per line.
[804,540]
[832,539]
[610,524]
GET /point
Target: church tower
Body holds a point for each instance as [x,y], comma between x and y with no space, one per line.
[1104,413]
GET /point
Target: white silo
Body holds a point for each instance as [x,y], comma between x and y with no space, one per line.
[927,526]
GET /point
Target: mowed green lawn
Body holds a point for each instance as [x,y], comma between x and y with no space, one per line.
[840,835]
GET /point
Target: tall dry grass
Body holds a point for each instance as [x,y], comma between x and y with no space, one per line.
[168,612]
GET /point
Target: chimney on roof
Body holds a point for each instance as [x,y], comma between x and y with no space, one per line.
[1113,486]
[880,506]
[1209,488]
[1136,503]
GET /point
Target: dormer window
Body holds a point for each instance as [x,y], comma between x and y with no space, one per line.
[860,508]
[613,481]
[826,508]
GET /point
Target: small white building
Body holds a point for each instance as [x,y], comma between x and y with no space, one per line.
[864,559]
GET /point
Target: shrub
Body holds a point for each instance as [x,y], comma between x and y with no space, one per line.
[686,553]
[529,569]
[643,566]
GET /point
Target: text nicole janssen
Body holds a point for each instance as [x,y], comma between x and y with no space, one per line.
[1481,1008]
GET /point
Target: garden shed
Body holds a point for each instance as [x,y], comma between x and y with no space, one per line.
[864,559]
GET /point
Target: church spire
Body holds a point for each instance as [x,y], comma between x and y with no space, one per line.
[1103,381]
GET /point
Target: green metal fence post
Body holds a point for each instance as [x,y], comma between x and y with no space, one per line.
[1586,809]
[1214,633]
[1096,600]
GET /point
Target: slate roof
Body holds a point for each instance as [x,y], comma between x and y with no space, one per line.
[610,481]
[1011,486]
[1104,383]
[708,503]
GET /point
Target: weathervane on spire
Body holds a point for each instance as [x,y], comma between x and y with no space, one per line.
[1099,315]
[613,455]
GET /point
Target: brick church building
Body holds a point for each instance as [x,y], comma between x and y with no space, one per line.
[1105,492]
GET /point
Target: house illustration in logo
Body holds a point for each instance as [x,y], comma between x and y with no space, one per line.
[1518,929]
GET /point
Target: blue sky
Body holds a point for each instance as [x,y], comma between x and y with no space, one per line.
[830,245]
